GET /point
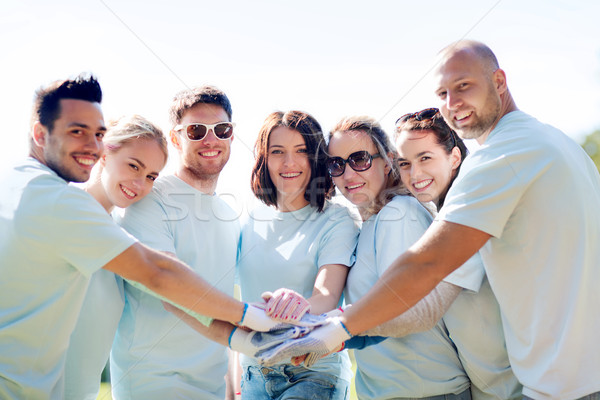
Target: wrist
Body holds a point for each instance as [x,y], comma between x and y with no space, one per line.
[243,314]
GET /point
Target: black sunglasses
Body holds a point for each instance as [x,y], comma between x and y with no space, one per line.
[358,161]
[422,115]
[197,131]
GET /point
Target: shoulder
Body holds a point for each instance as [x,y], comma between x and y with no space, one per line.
[403,206]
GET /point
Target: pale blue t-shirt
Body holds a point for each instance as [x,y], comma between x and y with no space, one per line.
[93,335]
[417,365]
[286,250]
[53,237]
[537,193]
[155,355]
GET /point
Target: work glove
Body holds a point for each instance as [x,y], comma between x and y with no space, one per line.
[321,340]
[250,343]
[256,319]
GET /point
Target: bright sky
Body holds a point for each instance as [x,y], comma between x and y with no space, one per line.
[329,58]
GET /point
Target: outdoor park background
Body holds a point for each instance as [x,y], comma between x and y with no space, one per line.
[329,58]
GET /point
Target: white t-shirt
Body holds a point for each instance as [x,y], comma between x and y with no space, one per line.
[155,355]
[417,365]
[53,237]
[286,250]
[537,193]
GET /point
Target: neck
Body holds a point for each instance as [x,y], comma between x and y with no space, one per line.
[508,105]
[205,184]
[95,188]
[289,203]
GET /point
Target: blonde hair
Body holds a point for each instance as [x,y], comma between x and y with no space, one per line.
[393,185]
[126,129]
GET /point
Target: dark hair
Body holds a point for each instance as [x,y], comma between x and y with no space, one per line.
[46,106]
[188,98]
[444,136]
[393,185]
[320,186]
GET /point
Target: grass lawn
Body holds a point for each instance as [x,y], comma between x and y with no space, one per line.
[105,387]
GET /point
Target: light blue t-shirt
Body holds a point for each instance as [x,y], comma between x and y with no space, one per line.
[537,193]
[93,335]
[286,250]
[155,355]
[417,365]
[53,237]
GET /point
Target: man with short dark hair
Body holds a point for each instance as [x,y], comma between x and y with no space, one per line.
[53,236]
[154,355]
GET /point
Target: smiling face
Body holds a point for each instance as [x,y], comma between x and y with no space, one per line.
[75,143]
[129,172]
[202,160]
[361,188]
[426,168]
[469,101]
[289,167]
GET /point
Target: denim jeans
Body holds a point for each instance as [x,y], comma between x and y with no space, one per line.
[287,382]
[592,396]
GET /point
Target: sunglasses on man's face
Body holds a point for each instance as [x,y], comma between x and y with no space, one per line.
[198,131]
[422,115]
[358,161]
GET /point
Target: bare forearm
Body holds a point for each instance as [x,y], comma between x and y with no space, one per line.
[174,280]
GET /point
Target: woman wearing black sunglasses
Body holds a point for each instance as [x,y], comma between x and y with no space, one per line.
[298,241]
[422,365]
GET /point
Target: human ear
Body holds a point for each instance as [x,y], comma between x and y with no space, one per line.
[455,158]
[175,139]
[499,78]
[39,134]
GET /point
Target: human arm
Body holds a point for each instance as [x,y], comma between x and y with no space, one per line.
[444,247]
[422,316]
[174,280]
[286,305]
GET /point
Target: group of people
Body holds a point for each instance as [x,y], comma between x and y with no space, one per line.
[451,277]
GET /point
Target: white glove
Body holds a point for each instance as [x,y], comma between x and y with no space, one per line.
[285,305]
[312,358]
[256,319]
[250,343]
[322,340]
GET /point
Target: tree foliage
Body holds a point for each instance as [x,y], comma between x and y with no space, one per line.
[591,145]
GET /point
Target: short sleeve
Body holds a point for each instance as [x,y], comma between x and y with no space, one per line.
[469,275]
[338,244]
[484,194]
[83,233]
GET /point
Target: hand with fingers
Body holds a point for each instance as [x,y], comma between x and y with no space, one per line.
[285,305]
[322,340]
[256,319]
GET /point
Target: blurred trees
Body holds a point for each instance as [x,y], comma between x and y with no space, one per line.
[591,145]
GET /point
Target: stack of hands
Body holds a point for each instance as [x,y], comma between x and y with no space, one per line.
[282,329]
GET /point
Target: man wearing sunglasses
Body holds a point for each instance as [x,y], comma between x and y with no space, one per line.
[528,200]
[156,356]
[54,236]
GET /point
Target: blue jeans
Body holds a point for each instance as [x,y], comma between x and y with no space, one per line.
[287,382]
